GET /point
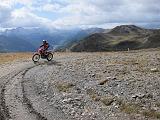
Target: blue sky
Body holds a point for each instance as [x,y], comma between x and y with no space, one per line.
[78,13]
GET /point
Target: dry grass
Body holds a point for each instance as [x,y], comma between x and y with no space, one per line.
[9,57]
[151,114]
[130,108]
[107,100]
[137,109]
[64,87]
[93,94]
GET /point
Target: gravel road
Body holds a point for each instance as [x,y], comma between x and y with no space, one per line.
[83,86]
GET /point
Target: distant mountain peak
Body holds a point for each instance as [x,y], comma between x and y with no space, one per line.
[94,30]
[19,28]
[127,29]
[128,26]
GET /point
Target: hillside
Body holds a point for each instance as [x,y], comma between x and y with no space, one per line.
[119,38]
[14,44]
[79,36]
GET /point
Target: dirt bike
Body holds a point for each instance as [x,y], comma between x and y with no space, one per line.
[43,55]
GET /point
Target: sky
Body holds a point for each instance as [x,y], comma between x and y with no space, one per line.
[79,13]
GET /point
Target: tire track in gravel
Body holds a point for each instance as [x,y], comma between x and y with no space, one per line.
[14,104]
[37,102]
[4,112]
[4,80]
[6,87]
[28,102]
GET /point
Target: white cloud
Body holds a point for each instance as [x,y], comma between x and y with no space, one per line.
[24,2]
[14,2]
[94,12]
[79,12]
[5,13]
[25,18]
[81,8]
[78,20]
[51,7]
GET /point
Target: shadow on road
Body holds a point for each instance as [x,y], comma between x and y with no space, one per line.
[48,63]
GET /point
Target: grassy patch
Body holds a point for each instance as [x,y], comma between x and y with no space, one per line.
[64,87]
[93,94]
[131,108]
[9,57]
[107,100]
[151,114]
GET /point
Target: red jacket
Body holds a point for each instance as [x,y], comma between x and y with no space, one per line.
[46,46]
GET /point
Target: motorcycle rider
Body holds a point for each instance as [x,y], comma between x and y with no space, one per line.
[45,46]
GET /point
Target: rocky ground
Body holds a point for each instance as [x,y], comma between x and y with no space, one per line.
[83,86]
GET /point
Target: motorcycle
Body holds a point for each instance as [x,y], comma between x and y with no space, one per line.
[43,55]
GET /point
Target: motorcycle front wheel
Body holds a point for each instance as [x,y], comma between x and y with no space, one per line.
[49,56]
[36,57]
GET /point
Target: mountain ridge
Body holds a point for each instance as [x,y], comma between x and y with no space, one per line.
[122,37]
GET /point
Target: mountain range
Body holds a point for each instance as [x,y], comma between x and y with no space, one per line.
[29,39]
[122,37]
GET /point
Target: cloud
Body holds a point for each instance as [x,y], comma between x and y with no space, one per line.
[7,10]
[110,11]
[62,13]
[5,13]
[11,3]
[51,7]
[24,2]
[25,18]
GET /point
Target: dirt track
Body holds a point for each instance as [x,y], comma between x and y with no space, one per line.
[14,102]
[82,86]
